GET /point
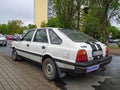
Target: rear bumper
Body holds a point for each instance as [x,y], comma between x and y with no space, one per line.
[82,67]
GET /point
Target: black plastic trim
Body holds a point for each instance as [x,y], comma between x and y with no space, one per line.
[83,65]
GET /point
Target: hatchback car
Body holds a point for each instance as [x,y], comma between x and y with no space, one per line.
[62,50]
[3,40]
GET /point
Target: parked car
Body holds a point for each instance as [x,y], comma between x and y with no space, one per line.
[9,37]
[3,40]
[62,50]
[16,37]
[115,41]
[118,42]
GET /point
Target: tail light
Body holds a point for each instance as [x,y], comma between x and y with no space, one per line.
[107,51]
[81,56]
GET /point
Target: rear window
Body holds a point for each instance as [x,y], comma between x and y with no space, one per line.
[77,36]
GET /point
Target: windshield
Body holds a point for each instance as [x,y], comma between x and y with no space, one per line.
[77,36]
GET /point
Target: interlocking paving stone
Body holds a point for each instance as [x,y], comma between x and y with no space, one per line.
[13,77]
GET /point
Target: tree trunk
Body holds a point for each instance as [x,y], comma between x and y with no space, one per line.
[105,21]
[78,20]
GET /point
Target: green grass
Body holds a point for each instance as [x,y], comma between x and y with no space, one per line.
[112,47]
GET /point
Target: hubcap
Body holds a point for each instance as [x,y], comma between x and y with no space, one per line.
[49,69]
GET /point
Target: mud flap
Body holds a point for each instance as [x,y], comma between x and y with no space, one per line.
[60,72]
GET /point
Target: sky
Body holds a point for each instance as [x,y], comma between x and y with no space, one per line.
[17,10]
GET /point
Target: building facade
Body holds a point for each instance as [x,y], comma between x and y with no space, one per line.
[43,11]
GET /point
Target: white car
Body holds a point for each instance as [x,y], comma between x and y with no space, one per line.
[62,50]
[3,40]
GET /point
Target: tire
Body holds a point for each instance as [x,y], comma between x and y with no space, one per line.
[15,56]
[49,69]
[5,45]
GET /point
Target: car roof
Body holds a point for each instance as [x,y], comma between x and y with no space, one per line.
[48,28]
[44,28]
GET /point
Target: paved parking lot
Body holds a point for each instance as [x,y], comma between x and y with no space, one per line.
[13,77]
[26,75]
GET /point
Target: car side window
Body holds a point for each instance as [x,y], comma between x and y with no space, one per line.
[41,36]
[54,38]
[28,36]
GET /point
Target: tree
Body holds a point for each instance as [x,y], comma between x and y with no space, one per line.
[3,28]
[31,26]
[70,12]
[14,26]
[91,24]
[80,10]
[107,10]
[65,10]
[54,22]
[43,24]
[115,32]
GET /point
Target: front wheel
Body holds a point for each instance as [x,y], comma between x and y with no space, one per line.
[49,69]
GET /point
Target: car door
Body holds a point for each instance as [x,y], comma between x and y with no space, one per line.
[23,45]
[39,45]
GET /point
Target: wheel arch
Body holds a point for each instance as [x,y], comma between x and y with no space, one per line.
[46,56]
[13,48]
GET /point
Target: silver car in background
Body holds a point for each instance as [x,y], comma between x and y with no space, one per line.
[3,40]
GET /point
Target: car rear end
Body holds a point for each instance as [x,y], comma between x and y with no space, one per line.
[89,59]
[91,54]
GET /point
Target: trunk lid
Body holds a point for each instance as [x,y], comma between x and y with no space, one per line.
[94,50]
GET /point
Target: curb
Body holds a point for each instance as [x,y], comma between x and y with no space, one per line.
[114,51]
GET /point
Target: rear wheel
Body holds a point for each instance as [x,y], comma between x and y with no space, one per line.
[15,56]
[50,69]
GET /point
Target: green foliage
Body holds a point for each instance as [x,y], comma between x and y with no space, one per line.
[98,19]
[43,24]
[95,23]
[112,7]
[69,13]
[31,26]
[53,22]
[91,24]
[14,27]
[3,28]
[115,32]
[65,10]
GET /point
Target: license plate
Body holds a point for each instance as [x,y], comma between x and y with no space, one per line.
[96,53]
[92,68]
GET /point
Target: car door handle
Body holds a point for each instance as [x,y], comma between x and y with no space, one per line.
[43,47]
[27,45]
